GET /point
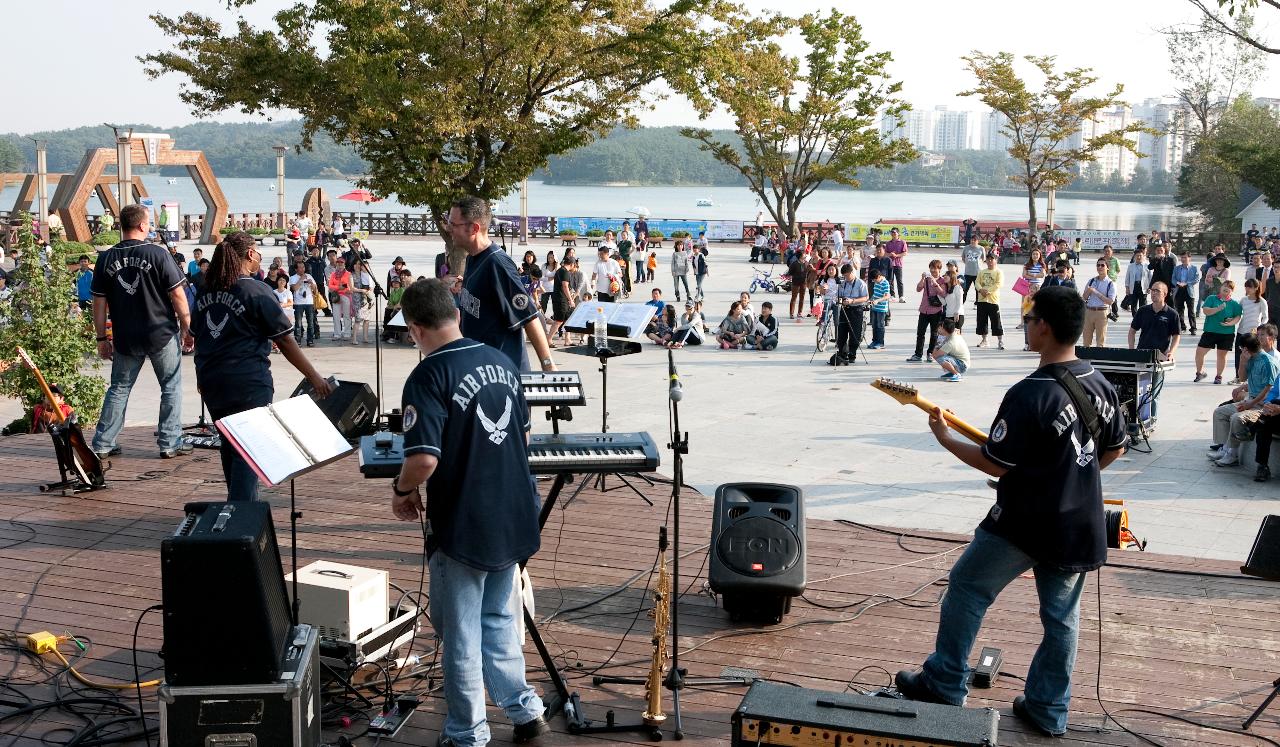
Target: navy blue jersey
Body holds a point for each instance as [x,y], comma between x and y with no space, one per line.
[495,304]
[233,331]
[1156,329]
[136,277]
[1049,503]
[464,405]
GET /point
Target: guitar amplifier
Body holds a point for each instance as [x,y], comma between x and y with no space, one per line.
[226,610]
[785,716]
[281,712]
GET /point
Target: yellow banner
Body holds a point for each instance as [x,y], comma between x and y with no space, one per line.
[909,232]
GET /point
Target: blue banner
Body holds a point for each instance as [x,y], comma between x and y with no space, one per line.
[582,225]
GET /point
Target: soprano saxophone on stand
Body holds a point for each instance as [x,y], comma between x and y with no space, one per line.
[661,614]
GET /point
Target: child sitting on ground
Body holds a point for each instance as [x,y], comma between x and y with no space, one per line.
[733,329]
[765,334]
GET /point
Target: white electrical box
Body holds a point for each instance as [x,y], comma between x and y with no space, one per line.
[344,602]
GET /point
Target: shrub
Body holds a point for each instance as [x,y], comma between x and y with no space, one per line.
[595,233]
[568,232]
[258,232]
[106,238]
[73,250]
[227,230]
[680,234]
[277,232]
[42,318]
[657,234]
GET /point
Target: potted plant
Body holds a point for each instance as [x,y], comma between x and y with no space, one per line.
[679,234]
[655,234]
[595,233]
[258,232]
[568,233]
[277,232]
[106,238]
[227,230]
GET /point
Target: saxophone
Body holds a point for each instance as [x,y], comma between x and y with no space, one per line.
[661,614]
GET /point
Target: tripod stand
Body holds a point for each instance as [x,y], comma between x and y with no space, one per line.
[1275,691]
[676,679]
[202,434]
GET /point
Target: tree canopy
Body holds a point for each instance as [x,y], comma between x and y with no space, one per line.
[1045,126]
[440,98]
[1211,68]
[1234,22]
[801,122]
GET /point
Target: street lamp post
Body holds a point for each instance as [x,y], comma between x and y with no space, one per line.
[124,166]
[42,185]
[524,212]
[279,149]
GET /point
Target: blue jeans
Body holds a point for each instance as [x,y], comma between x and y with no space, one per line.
[676,280]
[167,364]
[475,613]
[988,565]
[877,327]
[242,481]
[305,312]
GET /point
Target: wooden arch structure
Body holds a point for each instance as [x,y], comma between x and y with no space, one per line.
[27,192]
[72,195]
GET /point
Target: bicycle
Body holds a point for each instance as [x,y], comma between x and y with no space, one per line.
[765,281]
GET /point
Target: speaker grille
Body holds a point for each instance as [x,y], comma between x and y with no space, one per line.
[781,513]
[737,511]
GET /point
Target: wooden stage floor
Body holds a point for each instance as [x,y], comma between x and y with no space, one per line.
[1178,635]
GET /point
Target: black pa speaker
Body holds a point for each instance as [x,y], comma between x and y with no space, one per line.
[226,610]
[1264,558]
[352,407]
[757,549]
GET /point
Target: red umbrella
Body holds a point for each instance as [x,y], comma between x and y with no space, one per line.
[360,195]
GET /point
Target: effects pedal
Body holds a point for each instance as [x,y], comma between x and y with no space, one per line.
[987,670]
[389,723]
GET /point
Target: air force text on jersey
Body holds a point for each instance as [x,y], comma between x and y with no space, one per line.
[470,384]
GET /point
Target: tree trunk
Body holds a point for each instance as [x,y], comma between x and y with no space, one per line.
[455,256]
[1031,208]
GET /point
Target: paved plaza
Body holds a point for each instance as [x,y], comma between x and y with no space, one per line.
[785,416]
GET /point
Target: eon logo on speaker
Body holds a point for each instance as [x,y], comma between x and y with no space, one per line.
[772,545]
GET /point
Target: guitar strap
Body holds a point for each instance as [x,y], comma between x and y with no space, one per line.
[1083,404]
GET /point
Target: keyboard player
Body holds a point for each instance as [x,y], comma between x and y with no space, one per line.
[465,425]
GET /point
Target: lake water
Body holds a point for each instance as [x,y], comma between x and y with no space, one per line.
[730,203]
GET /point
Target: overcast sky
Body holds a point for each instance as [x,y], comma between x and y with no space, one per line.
[77,58]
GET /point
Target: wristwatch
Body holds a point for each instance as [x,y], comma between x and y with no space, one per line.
[547,362]
[395,488]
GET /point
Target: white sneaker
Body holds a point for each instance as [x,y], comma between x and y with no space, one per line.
[1229,458]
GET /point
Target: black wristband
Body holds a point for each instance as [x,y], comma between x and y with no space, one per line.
[395,488]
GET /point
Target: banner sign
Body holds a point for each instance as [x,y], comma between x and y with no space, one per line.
[924,234]
[1094,240]
[537,223]
[724,230]
[582,225]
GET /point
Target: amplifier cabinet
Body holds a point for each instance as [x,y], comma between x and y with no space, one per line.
[786,716]
[283,713]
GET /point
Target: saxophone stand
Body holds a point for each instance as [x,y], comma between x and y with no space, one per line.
[677,679]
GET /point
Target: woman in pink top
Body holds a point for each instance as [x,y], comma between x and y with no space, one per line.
[933,293]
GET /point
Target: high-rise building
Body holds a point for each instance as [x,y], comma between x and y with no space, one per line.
[1111,158]
[991,138]
[950,129]
[1166,149]
[915,126]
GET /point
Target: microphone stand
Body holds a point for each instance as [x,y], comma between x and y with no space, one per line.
[378,292]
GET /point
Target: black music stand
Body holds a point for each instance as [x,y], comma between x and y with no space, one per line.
[1275,690]
[613,349]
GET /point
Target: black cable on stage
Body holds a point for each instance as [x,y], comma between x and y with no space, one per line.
[137,678]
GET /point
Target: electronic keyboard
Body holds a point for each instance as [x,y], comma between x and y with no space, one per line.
[381,454]
[553,388]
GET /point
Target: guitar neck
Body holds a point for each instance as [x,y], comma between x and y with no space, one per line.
[56,411]
[966,430]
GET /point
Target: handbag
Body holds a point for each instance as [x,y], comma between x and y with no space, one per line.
[322,303]
[1022,286]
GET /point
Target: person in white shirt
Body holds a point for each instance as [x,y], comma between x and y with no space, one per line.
[304,226]
[339,230]
[606,272]
[837,242]
[304,289]
[953,352]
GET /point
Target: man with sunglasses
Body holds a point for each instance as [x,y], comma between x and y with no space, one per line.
[1047,452]
[138,284]
[494,303]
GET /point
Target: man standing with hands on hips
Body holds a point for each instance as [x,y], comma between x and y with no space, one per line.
[494,303]
[1055,432]
[465,428]
[142,289]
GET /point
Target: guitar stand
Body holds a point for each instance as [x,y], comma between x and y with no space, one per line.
[1275,691]
[72,481]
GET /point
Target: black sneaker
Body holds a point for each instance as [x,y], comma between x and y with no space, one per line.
[1020,710]
[530,730]
[114,451]
[913,686]
[915,359]
[181,449]
[1263,474]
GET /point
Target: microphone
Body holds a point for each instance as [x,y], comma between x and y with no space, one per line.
[677,391]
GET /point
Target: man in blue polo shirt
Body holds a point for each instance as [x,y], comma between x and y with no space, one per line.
[1048,516]
[1268,427]
[465,425]
[491,296]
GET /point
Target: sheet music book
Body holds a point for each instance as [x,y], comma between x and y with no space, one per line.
[284,439]
[627,320]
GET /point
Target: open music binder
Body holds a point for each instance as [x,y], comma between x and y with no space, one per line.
[284,439]
[627,320]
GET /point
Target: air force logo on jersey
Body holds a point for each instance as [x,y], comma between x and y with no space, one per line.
[497,429]
[215,328]
[410,418]
[999,431]
[520,301]
[130,288]
[1084,454]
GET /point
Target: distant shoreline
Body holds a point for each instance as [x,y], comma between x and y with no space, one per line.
[1066,194]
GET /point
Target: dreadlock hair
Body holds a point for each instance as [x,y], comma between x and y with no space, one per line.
[228,258]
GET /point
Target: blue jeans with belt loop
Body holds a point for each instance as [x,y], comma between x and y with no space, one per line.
[475,613]
[988,565]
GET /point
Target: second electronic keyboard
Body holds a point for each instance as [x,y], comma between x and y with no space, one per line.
[382,454]
[552,388]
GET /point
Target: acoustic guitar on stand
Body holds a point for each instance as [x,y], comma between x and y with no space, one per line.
[907,394]
[80,468]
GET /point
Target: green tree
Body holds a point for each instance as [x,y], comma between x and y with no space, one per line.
[10,156]
[42,317]
[1234,151]
[801,123]
[441,99]
[1045,126]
